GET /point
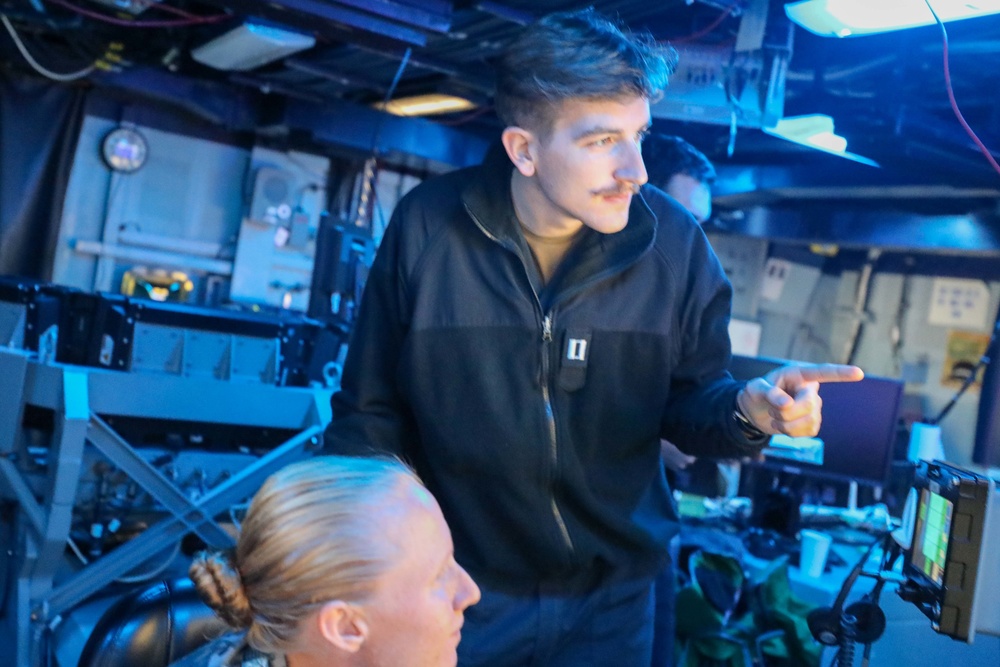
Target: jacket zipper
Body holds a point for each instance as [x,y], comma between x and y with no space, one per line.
[551,419]
[546,396]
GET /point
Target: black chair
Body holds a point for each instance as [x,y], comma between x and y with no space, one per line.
[152,627]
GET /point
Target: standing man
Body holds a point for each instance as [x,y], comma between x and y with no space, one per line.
[530,328]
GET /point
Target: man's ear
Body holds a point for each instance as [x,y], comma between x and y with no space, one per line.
[343,625]
[519,144]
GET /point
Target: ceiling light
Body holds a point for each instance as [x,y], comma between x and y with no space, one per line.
[249,46]
[847,18]
[815,131]
[426,105]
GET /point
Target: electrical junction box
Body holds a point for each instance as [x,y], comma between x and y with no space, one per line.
[276,246]
[274,194]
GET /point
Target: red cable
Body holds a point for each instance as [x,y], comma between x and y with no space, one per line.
[140,24]
[951,95]
[711,26]
[168,8]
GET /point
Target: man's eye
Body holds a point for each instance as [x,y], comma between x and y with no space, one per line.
[603,141]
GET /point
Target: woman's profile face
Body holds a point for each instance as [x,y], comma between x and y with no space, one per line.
[416,613]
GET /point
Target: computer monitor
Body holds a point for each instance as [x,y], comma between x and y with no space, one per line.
[860,421]
[986,451]
[747,368]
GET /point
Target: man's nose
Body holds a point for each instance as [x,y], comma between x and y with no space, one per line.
[631,168]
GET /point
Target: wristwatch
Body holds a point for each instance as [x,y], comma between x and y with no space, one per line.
[747,427]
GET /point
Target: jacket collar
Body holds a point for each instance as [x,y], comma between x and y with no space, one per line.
[487,198]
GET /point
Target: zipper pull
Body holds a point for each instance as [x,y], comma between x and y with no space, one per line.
[547,329]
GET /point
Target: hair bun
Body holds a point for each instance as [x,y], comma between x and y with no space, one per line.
[221,587]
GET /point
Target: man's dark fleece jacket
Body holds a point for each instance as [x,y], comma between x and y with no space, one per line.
[533,412]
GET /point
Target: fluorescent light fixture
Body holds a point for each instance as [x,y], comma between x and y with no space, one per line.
[847,18]
[249,46]
[827,141]
[815,131]
[426,105]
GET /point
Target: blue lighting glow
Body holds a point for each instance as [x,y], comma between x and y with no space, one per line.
[847,18]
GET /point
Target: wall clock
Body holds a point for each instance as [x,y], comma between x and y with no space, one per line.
[124,149]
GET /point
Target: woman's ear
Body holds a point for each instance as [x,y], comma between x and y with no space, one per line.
[343,625]
[519,144]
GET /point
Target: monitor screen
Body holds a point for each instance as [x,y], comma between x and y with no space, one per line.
[986,451]
[748,368]
[858,430]
[930,536]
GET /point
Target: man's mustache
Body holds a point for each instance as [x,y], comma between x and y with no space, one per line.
[623,189]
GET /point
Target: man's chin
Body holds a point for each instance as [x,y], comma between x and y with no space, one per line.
[609,225]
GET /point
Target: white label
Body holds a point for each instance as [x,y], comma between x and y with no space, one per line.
[775,274]
[744,337]
[959,303]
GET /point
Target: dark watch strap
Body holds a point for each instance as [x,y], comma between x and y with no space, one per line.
[746,426]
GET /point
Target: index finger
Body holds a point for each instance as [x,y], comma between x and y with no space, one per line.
[821,372]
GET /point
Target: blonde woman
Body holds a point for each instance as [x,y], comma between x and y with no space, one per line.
[340,561]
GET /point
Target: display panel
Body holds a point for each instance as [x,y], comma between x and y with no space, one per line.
[930,545]
[946,562]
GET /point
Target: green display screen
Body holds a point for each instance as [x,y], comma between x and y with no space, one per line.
[930,548]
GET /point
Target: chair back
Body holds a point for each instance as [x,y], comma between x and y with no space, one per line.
[152,627]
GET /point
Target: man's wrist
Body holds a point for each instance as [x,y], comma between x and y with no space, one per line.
[747,427]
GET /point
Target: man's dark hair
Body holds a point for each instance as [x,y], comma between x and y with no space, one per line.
[665,156]
[576,55]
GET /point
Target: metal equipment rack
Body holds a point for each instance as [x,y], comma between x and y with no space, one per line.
[81,398]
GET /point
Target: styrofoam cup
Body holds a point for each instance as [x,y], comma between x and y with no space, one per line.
[925,443]
[815,548]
